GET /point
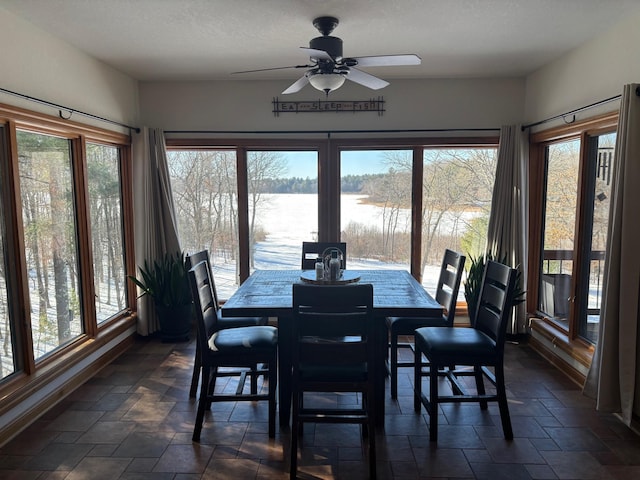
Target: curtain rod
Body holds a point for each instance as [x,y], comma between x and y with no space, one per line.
[329,132]
[68,109]
[573,112]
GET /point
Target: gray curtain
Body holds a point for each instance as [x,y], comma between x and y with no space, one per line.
[614,376]
[508,220]
[155,221]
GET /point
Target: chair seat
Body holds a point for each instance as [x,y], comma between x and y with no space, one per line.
[242,339]
[407,325]
[462,344]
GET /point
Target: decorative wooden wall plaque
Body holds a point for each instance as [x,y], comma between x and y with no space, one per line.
[334,106]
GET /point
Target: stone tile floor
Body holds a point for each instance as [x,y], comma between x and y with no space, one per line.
[134,421]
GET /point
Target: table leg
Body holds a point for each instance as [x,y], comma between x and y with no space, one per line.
[284,369]
[380,370]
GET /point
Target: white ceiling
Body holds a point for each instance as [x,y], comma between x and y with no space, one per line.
[174,40]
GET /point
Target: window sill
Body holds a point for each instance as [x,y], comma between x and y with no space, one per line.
[572,357]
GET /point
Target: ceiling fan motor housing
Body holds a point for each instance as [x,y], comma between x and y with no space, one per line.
[331,45]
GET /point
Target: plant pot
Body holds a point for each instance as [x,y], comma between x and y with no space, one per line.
[175,322]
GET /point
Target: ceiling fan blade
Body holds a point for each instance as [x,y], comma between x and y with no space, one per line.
[297,85]
[366,79]
[386,60]
[274,68]
[316,54]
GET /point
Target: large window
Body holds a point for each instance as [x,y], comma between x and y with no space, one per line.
[253,207]
[204,185]
[597,218]
[375,207]
[563,162]
[48,215]
[456,190]
[7,329]
[283,206]
[575,198]
[64,250]
[107,235]
[281,199]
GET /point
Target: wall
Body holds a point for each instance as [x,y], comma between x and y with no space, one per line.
[47,68]
[594,71]
[409,104]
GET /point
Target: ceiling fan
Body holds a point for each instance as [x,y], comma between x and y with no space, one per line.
[328,69]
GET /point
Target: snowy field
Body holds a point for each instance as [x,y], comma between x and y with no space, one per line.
[290,219]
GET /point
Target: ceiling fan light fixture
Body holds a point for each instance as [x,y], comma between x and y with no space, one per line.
[326,82]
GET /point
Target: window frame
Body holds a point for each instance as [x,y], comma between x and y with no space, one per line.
[30,374]
[585,130]
[329,150]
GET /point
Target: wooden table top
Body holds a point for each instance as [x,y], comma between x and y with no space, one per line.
[269,292]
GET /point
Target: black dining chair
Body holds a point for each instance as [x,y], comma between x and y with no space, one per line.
[480,346]
[234,347]
[312,250]
[447,289]
[333,351]
[223,322]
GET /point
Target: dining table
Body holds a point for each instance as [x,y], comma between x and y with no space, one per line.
[269,293]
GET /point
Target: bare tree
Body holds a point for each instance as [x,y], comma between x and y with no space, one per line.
[261,166]
[204,186]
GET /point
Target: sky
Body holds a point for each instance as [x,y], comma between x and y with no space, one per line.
[304,164]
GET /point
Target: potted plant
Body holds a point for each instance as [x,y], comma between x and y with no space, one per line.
[473,283]
[166,281]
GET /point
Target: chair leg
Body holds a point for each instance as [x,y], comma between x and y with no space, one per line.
[480,385]
[365,426]
[212,376]
[254,379]
[394,365]
[433,402]
[203,404]
[417,380]
[372,435]
[273,381]
[195,376]
[293,468]
[502,403]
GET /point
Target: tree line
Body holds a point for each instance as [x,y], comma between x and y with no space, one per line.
[348,184]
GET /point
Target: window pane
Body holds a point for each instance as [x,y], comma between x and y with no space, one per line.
[105,207]
[559,229]
[204,186]
[50,240]
[7,360]
[283,207]
[457,188]
[601,203]
[375,207]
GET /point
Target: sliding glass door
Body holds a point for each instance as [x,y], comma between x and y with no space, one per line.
[576,218]
[375,207]
[283,206]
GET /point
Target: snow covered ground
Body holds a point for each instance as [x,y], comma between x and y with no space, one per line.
[290,219]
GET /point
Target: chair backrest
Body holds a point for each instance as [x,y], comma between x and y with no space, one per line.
[312,250]
[204,302]
[495,301]
[193,259]
[449,283]
[333,325]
